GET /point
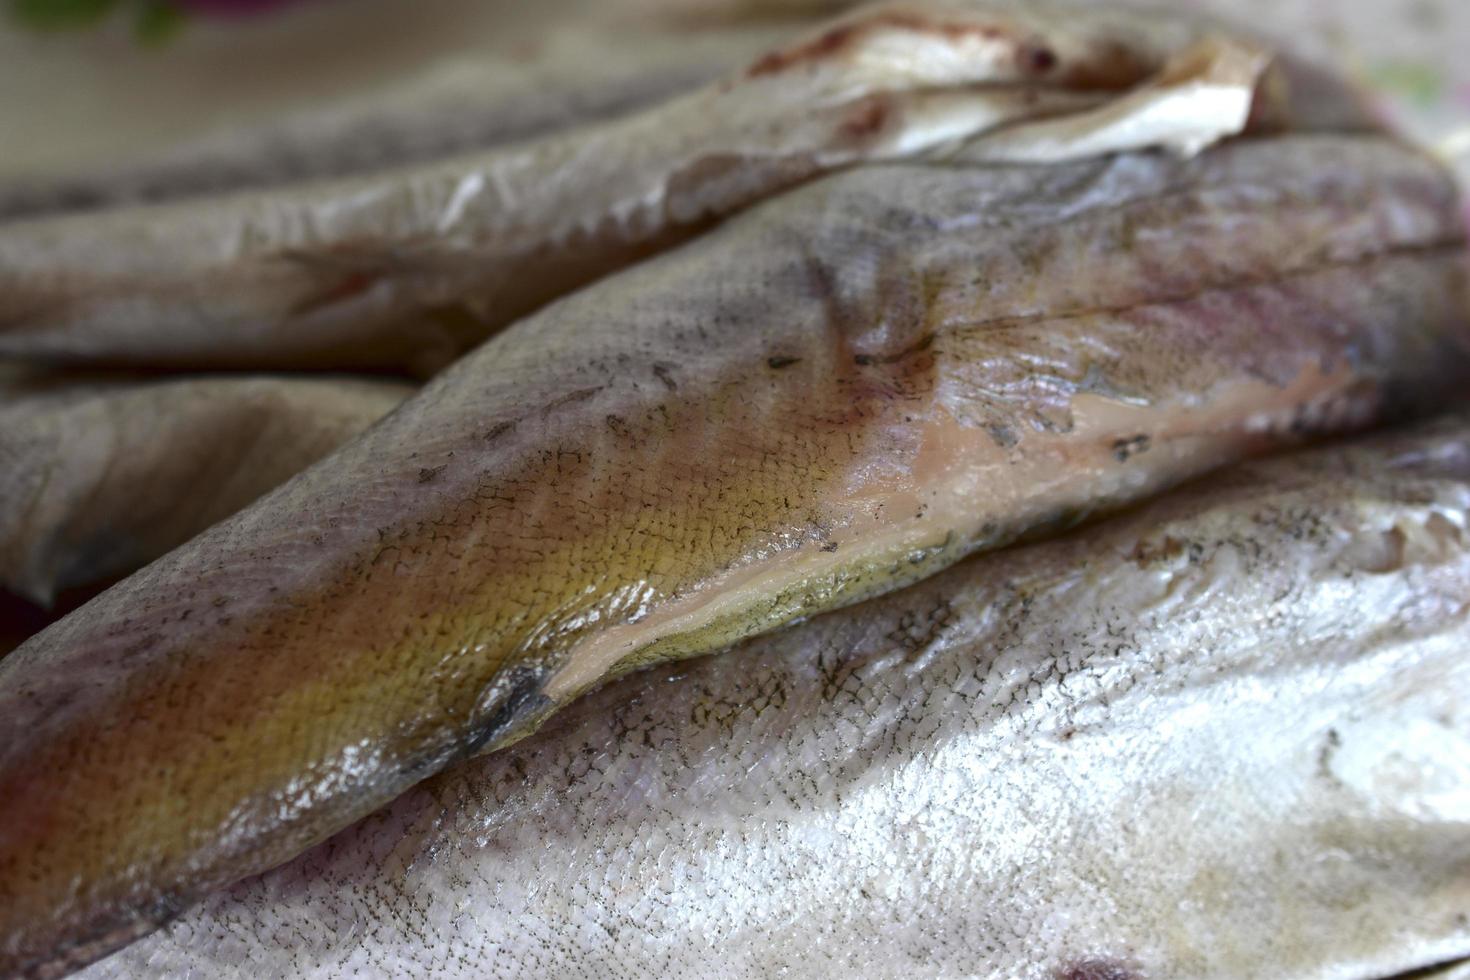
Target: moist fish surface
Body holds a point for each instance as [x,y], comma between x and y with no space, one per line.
[831,396]
[1224,736]
[406,269]
[101,475]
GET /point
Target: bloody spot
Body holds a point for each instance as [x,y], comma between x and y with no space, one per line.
[1109,66]
[834,41]
[354,284]
[866,120]
[1097,969]
[1037,59]
[347,272]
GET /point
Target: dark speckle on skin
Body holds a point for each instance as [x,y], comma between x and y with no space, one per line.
[1004,435]
[662,373]
[1038,59]
[497,430]
[429,473]
[1097,969]
[1331,742]
[580,395]
[780,361]
[1124,449]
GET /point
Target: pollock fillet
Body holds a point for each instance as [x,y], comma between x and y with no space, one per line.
[100,476]
[412,267]
[831,396]
[1225,736]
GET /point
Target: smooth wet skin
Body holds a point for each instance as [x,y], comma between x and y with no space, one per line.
[834,395]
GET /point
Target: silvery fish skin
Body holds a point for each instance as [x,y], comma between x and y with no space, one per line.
[409,268]
[1224,736]
[99,476]
[831,396]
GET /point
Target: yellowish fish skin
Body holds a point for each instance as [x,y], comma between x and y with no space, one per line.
[1134,752]
[833,395]
[407,269]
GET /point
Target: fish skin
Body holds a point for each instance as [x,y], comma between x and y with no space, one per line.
[100,475]
[408,269]
[913,362]
[577,73]
[1222,736]
[572,63]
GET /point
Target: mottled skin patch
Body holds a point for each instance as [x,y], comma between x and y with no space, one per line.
[1046,763]
[306,661]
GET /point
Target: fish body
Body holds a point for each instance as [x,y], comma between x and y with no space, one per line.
[408,268]
[101,475]
[832,396]
[1224,735]
[518,81]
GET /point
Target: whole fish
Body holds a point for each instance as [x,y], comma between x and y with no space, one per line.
[99,476]
[830,396]
[1225,736]
[410,268]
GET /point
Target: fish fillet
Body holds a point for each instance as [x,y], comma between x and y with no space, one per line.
[1225,736]
[831,396]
